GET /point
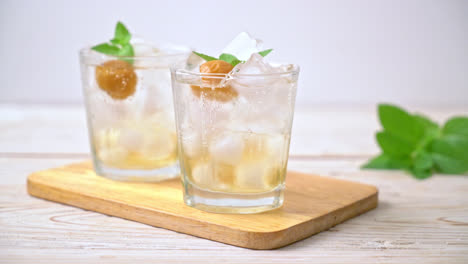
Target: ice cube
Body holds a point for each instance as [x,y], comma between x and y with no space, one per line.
[159,142]
[266,116]
[108,150]
[114,155]
[104,111]
[264,102]
[255,175]
[202,174]
[277,150]
[255,64]
[242,46]
[130,138]
[142,47]
[191,142]
[156,90]
[193,62]
[276,144]
[253,87]
[212,176]
[206,115]
[227,148]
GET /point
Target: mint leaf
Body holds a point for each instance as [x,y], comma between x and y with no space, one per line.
[456,126]
[421,174]
[120,44]
[127,51]
[393,145]
[426,122]
[423,161]
[400,123]
[121,35]
[265,52]
[449,165]
[383,161]
[422,165]
[107,49]
[419,145]
[205,57]
[450,154]
[229,58]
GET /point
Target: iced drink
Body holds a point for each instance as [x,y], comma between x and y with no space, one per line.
[130,111]
[234,127]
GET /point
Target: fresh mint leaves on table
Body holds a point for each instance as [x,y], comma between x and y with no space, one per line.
[416,144]
[119,45]
[233,60]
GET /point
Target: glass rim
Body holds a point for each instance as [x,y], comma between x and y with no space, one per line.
[86,52]
[293,72]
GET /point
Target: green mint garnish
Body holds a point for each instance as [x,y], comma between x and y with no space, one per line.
[265,52]
[229,58]
[119,45]
[233,60]
[420,146]
[121,34]
[107,48]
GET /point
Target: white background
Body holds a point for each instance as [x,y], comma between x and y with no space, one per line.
[350,52]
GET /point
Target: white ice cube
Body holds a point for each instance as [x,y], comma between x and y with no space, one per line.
[264,102]
[104,111]
[130,138]
[113,155]
[227,148]
[263,116]
[191,142]
[202,174]
[207,115]
[255,64]
[242,46]
[253,87]
[156,90]
[107,146]
[142,47]
[277,150]
[159,143]
[255,175]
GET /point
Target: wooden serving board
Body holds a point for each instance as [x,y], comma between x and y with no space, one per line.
[312,204]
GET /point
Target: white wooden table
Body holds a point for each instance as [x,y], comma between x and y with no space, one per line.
[416,221]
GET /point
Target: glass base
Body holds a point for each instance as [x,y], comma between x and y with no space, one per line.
[232,203]
[137,175]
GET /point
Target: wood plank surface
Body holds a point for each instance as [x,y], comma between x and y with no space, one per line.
[312,204]
[416,221]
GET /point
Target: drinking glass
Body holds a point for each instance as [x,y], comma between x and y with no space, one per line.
[234,133]
[130,114]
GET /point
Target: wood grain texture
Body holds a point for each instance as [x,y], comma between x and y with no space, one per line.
[312,204]
[415,222]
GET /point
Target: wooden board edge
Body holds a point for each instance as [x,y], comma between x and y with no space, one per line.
[236,237]
[304,230]
[330,220]
[241,238]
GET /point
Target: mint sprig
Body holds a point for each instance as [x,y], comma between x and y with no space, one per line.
[416,144]
[119,45]
[265,52]
[233,60]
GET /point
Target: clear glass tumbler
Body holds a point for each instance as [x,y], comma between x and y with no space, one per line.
[130,114]
[234,133]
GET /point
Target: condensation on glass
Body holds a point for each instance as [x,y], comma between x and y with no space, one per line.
[234,134]
[130,115]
